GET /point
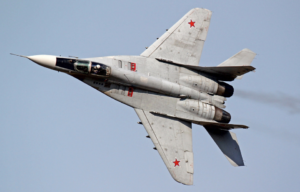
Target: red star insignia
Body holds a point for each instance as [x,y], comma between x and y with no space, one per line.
[176,163]
[192,23]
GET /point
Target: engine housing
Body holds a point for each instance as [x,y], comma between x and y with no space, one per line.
[205,84]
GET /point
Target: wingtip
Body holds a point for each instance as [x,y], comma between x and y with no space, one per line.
[186,179]
[185,182]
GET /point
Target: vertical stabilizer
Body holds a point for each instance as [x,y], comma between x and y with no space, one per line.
[228,144]
[242,58]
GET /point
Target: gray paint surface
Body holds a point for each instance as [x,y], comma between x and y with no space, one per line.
[168,92]
[53,137]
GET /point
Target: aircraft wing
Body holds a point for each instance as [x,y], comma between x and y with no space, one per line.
[173,141]
[183,42]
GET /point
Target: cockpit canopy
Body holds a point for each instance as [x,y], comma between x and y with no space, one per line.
[83,66]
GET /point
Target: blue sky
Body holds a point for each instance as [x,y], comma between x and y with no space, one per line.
[57,134]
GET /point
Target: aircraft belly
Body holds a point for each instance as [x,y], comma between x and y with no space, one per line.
[186,109]
[149,67]
[159,102]
[124,94]
[169,90]
[142,99]
[173,73]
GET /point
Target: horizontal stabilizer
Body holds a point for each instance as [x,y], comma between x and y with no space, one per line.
[224,73]
[223,126]
[228,144]
[206,123]
[242,58]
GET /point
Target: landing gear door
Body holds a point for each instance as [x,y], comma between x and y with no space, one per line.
[189,161]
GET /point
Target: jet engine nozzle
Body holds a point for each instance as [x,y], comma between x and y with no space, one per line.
[222,116]
[225,89]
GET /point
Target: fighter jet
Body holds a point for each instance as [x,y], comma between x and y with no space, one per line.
[169,91]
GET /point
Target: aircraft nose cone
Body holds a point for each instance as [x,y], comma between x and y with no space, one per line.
[48,61]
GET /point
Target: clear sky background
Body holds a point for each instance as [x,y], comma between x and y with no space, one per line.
[58,134]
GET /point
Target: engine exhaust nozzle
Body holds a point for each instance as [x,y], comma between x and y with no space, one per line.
[225,89]
[222,116]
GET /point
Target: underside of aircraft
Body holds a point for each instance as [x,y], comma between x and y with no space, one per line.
[169,91]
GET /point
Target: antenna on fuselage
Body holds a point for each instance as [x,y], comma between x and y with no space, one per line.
[73,57]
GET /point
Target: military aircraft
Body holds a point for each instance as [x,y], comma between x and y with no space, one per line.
[168,90]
